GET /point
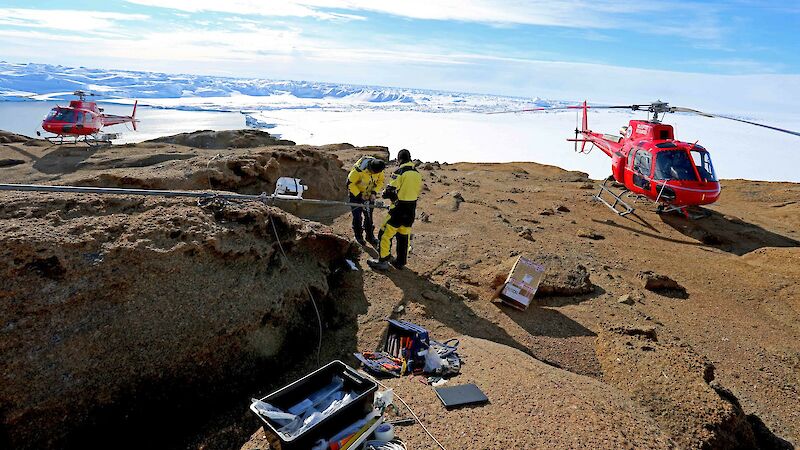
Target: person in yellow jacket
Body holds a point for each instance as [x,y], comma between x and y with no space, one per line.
[403,192]
[364,181]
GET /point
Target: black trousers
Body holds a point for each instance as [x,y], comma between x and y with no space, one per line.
[362,219]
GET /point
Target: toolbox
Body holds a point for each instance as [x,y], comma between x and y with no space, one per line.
[287,396]
[405,340]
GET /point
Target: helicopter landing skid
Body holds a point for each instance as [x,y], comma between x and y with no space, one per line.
[93,141]
[61,140]
[619,206]
[684,210]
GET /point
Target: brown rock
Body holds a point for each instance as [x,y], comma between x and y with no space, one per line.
[661,284]
[589,234]
[563,278]
[8,162]
[527,234]
[546,212]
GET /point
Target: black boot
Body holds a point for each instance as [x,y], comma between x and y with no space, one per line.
[359,234]
[371,237]
[378,264]
[402,251]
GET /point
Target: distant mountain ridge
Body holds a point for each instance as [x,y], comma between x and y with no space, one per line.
[20,82]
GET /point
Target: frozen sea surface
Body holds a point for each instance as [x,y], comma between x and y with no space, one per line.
[434,125]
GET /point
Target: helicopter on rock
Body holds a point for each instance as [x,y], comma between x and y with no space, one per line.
[647,160]
[83,120]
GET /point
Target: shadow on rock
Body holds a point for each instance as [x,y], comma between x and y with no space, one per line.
[449,308]
[234,425]
[64,159]
[540,321]
[727,233]
[454,311]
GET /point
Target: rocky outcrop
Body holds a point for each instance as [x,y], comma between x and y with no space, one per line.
[677,387]
[247,138]
[11,138]
[250,173]
[113,309]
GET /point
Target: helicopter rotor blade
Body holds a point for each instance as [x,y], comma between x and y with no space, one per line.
[705,114]
[563,108]
[517,111]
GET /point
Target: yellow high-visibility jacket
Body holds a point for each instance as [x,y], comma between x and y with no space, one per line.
[361,182]
[407,182]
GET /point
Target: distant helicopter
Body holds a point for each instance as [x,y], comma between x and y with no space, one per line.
[647,159]
[83,120]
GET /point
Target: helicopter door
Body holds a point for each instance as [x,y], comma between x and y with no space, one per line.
[642,165]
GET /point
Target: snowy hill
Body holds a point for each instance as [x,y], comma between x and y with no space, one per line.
[19,82]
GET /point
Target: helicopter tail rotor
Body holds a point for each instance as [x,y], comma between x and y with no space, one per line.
[584,126]
[133,115]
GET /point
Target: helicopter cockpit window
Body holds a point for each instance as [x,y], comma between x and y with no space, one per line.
[674,165]
[641,169]
[63,115]
[641,162]
[702,160]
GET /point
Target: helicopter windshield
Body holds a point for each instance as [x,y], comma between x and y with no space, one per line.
[61,115]
[702,160]
[674,165]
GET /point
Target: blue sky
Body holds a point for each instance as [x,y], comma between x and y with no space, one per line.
[513,47]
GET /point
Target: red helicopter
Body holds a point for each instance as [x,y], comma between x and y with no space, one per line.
[648,161]
[82,119]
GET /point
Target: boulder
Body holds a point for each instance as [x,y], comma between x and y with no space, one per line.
[662,284]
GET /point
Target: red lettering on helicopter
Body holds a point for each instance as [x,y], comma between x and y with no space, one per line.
[642,129]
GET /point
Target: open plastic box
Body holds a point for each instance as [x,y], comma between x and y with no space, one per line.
[294,393]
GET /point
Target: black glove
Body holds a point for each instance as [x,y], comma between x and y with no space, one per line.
[390,193]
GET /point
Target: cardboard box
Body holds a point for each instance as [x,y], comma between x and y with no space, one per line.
[522,283]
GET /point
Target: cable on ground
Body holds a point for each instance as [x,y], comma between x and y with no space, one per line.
[409,410]
[308,289]
[394,444]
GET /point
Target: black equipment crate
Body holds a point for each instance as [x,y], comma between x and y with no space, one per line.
[290,395]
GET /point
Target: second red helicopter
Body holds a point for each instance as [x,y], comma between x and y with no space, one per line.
[83,120]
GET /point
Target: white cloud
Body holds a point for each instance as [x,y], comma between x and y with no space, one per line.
[670,17]
[288,8]
[64,19]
